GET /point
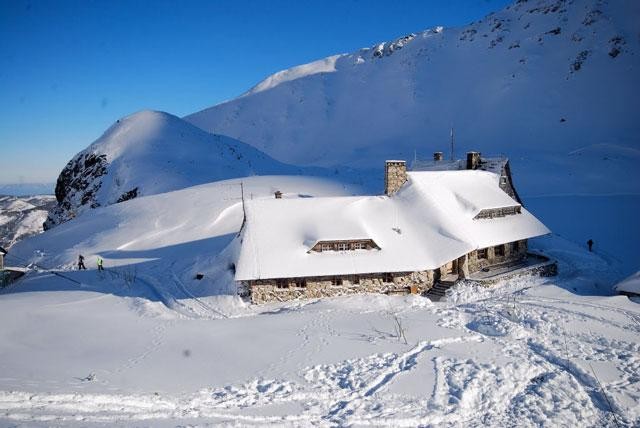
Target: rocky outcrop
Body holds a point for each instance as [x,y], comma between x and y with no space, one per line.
[77,186]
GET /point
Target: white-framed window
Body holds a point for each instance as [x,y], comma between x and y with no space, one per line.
[359,246]
[326,247]
[343,246]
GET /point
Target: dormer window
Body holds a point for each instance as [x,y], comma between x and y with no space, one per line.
[344,245]
[498,212]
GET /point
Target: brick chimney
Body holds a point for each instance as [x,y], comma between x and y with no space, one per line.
[438,156]
[473,160]
[395,175]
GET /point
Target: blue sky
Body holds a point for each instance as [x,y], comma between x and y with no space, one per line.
[69,69]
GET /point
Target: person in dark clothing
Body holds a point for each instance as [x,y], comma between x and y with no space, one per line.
[590,244]
[81,262]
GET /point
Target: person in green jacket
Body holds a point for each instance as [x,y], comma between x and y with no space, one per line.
[100,263]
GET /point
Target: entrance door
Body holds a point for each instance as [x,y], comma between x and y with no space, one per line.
[450,268]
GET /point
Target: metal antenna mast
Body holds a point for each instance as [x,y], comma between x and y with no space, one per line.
[244,211]
[452,158]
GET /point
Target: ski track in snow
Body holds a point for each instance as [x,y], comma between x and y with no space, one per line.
[542,367]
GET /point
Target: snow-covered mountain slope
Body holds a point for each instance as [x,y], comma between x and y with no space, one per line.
[21,217]
[170,235]
[540,81]
[154,152]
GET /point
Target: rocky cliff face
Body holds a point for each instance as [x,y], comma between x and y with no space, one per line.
[77,186]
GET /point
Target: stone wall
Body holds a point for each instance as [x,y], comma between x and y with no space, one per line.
[476,264]
[473,160]
[271,290]
[506,183]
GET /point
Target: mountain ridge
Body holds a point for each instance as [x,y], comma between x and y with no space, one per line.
[549,74]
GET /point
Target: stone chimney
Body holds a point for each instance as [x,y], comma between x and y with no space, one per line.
[473,160]
[278,194]
[395,175]
[438,156]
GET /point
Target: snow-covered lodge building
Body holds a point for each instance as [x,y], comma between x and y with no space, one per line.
[430,227]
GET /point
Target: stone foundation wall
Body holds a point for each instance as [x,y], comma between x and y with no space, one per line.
[271,290]
[280,290]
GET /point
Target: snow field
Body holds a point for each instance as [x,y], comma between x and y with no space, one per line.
[528,355]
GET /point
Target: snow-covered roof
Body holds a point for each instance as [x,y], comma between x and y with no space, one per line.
[630,284]
[428,223]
